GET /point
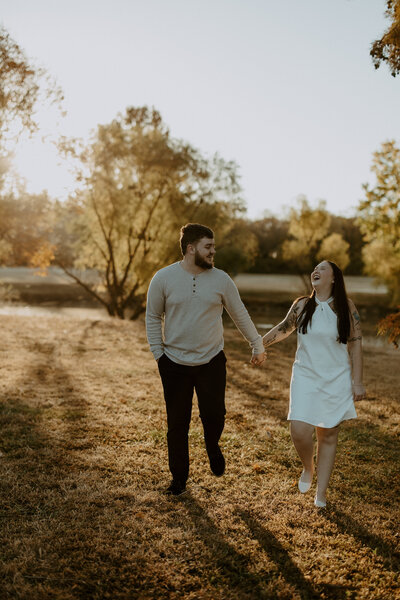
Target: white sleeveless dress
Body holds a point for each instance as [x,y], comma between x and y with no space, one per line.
[321,387]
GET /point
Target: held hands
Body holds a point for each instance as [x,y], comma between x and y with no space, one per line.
[258,359]
[358,392]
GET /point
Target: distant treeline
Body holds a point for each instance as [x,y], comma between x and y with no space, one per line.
[137,185]
[35,229]
[272,232]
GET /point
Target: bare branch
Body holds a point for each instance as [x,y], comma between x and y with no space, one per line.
[83,284]
[141,236]
[108,241]
[130,296]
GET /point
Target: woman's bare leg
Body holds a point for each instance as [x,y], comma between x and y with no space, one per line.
[302,437]
[326,451]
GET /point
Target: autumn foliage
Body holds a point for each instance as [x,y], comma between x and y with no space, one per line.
[390,326]
[387,48]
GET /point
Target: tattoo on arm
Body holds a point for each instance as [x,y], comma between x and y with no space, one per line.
[269,342]
[290,322]
[355,326]
[286,327]
[356,320]
[354,339]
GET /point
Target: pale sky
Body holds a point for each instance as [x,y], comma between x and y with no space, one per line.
[286,89]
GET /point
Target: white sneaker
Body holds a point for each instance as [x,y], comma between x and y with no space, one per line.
[303,486]
[319,503]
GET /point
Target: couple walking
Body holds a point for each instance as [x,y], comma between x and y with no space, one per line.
[188,298]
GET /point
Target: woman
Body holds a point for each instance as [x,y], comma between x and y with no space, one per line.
[327,371]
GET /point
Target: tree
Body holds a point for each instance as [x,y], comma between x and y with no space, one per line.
[237,246]
[387,48]
[139,186]
[379,219]
[21,86]
[390,326]
[307,228]
[335,249]
[270,232]
[25,225]
[349,230]
[310,242]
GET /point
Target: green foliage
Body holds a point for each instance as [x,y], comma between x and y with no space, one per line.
[307,228]
[334,248]
[139,186]
[349,230]
[383,262]
[387,48]
[270,232]
[379,219]
[309,241]
[237,247]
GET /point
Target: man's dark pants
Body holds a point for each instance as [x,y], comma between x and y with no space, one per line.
[179,382]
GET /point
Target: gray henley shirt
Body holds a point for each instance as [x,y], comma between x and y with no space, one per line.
[191,307]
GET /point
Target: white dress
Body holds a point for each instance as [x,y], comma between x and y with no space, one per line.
[321,386]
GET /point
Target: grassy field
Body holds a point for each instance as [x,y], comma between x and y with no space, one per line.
[83,469]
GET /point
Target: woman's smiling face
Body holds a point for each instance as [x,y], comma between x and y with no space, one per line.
[322,275]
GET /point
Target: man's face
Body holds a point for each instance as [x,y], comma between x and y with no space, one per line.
[204,253]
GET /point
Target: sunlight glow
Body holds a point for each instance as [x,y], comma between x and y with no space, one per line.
[304,120]
[38,163]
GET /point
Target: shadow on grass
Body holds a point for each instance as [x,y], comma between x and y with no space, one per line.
[255,384]
[259,399]
[287,568]
[24,409]
[370,446]
[229,567]
[36,460]
[350,526]
[233,567]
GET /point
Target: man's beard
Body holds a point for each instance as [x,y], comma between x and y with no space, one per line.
[200,262]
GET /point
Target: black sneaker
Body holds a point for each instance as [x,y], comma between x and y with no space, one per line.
[217,462]
[176,488]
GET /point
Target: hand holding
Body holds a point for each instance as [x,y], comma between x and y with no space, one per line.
[258,359]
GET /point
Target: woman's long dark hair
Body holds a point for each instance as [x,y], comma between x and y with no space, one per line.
[340,302]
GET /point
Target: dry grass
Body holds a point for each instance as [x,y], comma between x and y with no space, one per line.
[83,467]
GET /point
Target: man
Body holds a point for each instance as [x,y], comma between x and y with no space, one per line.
[191,295]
